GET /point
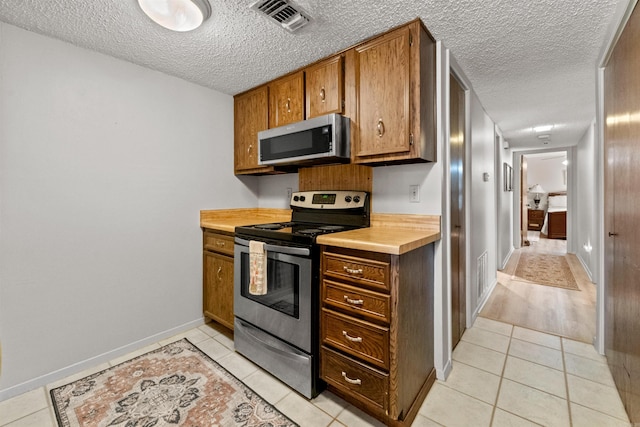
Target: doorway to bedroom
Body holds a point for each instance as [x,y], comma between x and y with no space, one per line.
[542,286]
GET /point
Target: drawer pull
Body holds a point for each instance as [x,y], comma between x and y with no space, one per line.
[353,301]
[352,270]
[349,380]
[221,244]
[350,338]
[218,273]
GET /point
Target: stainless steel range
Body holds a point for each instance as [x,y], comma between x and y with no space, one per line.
[278,328]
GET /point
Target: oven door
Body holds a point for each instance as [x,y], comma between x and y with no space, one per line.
[285,311]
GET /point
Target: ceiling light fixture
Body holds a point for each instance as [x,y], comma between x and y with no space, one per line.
[545,128]
[177,15]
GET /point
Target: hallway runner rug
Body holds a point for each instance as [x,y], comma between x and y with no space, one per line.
[543,269]
[175,385]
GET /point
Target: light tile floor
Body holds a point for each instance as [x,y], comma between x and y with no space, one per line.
[502,375]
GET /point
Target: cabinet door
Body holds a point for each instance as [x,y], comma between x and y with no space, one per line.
[251,115]
[382,86]
[286,100]
[218,288]
[324,87]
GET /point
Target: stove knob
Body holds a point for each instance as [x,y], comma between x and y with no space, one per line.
[356,199]
[347,199]
[296,198]
[302,198]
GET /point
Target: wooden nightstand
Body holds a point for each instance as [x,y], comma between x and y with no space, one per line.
[536,219]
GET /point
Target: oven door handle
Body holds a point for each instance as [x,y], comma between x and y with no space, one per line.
[289,250]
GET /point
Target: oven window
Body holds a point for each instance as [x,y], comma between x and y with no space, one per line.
[283,287]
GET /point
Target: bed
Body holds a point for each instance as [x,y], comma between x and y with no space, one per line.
[555,224]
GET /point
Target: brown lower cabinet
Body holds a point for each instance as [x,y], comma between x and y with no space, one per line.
[217,277]
[376,327]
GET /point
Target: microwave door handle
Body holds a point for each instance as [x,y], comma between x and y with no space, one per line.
[278,249]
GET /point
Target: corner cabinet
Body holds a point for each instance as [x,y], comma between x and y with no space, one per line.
[376,326]
[393,77]
[217,277]
[251,115]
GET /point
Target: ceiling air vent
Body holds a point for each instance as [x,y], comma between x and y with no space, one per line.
[282,13]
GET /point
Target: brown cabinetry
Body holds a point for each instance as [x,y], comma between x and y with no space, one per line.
[286,100]
[376,329]
[394,80]
[251,115]
[324,87]
[217,277]
[535,219]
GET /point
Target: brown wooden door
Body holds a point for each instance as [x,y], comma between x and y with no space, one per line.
[218,288]
[524,201]
[622,215]
[382,85]
[251,115]
[458,265]
[324,87]
[286,100]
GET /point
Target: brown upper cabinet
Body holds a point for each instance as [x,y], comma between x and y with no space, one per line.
[286,100]
[324,89]
[394,82]
[385,85]
[251,115]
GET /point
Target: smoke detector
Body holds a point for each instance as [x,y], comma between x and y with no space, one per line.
[289,17]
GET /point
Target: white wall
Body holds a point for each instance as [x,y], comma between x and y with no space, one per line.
[482,233]
[586,226]
[504,204]
[104,167]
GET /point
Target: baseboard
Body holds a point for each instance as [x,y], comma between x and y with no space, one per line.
[484,300]
[51,377]
[506,259]
[443,374]
[586,268]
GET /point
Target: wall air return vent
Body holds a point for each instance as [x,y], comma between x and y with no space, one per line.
[282,13]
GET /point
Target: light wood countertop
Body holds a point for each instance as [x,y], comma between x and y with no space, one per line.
[389,233]
[228,219]
[393,234]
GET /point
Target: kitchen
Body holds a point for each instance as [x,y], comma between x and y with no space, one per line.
[105,168]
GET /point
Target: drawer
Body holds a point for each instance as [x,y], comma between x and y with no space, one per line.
[361,339]
[361,270]
[354,378]
[218,243]
[357,301]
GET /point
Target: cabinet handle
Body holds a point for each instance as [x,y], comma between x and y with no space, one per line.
[350,338]
[349,380]
[218,273]
[380,128]
[353,301]
[221,244]
[288,105]
[250,148]
[612,234]
[322,94]
[352,270]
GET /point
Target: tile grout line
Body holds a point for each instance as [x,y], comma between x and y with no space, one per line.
[566,382]
[504,367]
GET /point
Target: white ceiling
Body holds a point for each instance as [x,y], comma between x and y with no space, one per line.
[530,62]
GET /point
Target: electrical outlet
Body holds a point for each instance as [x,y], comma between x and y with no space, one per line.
[414,193]
[289,193]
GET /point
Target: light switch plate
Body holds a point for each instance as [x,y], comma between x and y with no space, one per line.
[414,193]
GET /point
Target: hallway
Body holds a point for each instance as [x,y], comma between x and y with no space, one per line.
[558,311]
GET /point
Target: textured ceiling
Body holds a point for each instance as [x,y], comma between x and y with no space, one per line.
[530,62]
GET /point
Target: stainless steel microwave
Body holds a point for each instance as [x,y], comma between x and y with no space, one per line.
[323,139]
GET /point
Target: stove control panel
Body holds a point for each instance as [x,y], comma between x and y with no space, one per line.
[339,199]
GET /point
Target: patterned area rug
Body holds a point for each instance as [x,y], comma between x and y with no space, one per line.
[176,385]
[543,269]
